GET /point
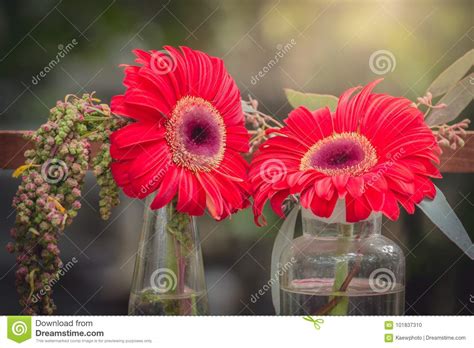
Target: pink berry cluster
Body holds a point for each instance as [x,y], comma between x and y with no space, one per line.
[48,197]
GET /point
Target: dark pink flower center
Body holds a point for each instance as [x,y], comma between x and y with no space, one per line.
[200,132]
[343,153]
[338,154]
[196,134]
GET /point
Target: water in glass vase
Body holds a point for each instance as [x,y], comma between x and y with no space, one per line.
[149,302]
[169,274]
[341,268]
[317,297]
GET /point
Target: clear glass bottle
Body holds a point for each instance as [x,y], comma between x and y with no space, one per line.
[169,275]
[340,268]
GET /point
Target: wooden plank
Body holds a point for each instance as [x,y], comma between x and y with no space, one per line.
[13,145]
[460,160]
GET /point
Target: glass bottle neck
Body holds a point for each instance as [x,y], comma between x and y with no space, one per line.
[337,227]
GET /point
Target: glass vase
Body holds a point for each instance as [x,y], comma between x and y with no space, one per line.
[169,275]
[340,268]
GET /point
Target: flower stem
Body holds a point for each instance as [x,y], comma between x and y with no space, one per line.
[177,228]
[345,284]
[342,270]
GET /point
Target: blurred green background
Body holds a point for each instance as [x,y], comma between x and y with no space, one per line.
[333,43]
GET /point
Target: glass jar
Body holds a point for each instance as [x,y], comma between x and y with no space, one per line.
[340,268]
[169,275]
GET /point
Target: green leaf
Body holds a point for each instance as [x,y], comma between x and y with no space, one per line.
[442,215]
[457,99]
[311,100]
[452,74]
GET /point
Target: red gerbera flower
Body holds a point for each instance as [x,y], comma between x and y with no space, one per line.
[188,134]
[374,151]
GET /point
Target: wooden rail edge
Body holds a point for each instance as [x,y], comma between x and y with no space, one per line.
[13,145]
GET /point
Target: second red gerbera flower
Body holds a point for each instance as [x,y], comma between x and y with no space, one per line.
[375,152]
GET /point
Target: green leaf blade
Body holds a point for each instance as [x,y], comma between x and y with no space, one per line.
[457,99]
[452,74]
[311,101]
[442,215]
